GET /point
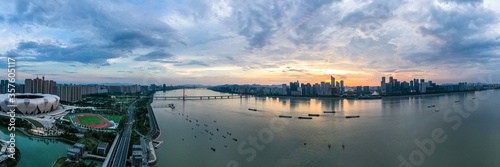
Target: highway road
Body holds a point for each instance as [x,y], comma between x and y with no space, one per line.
[120,159]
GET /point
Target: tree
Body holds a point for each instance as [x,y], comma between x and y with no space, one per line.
[123,121]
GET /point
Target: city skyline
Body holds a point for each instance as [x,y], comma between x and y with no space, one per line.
[219,42]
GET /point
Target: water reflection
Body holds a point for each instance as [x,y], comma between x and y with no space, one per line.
[387,128]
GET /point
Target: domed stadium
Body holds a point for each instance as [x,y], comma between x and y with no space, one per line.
[31,103]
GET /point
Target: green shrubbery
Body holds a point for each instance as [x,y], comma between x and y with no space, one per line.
[141,116]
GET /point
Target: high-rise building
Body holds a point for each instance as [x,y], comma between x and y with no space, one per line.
[359,90]
[322,88]
[37,85]
[88,89]
[52,87]
[20,88]
[70,93]
[316,89]
[341,87]
[283,89]
[4,86]
[391,80]
[411,86]
[45,86]
[423,86]
[332,80]
[382,85]
[416,85]
[28,86]
[366,90]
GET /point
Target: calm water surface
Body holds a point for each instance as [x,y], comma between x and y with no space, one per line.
[34,151]
[386,130]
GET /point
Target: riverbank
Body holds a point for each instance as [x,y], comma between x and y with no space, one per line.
[153,134]
[349,98]
[57,138]
[60,162]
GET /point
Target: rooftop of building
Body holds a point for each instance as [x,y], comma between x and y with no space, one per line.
[102,145]
[79,145]
[73,150]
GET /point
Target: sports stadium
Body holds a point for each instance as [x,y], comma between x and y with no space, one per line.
[27,103]
[94,121]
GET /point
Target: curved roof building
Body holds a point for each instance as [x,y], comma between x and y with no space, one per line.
[31,103]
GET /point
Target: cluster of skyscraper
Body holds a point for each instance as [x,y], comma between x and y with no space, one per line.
[334,87]
[395,87]
[67,92]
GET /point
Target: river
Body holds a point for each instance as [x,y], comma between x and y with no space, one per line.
[461,130]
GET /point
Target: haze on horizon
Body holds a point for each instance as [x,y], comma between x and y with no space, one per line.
[213,42]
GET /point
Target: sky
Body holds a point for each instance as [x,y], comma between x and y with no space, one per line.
[214,42]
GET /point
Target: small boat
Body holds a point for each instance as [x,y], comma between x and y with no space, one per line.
[328,111]
[314,115]
[171,106]
[213,149]
[285,116]
[431,106]
[235,139]
[252,109]
[473,98]
[355,116]
[457,101]
[436,110]
[305,118]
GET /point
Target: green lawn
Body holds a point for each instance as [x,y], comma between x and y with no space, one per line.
[66,118]
[114,118]
[90,120]
[90,143]
[60,162]
[36,123]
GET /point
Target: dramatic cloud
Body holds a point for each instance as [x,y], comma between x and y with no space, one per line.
[155,56]
[269,42]
[49,51]
[96,26]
